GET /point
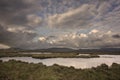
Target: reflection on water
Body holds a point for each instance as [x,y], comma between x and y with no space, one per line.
[76,62]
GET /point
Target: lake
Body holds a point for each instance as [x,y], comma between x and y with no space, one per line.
[75,62]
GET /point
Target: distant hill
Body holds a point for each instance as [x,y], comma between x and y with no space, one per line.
[67,50]
[101,50]
[56,50]
[84,51]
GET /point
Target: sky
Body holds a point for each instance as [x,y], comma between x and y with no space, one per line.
[38,24]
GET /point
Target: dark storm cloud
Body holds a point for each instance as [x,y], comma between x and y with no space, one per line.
[14,28]
[15,11]
[15,39]
[10,9]
[116,36]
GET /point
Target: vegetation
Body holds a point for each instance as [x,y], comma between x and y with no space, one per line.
[114,51]
[14,55]
[17,70]
[58,52]
[62,55]
[52,55]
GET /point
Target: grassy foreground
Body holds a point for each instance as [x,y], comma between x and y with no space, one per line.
[17,70]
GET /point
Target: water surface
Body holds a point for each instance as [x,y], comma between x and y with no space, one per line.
[75,62]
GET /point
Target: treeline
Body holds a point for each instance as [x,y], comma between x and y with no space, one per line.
[17,70]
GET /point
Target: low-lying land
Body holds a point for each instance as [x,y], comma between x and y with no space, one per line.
[52,55]
[17,70]
[58,53]
[62,55]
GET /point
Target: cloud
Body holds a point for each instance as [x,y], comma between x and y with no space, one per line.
[108,15]
[96,39]
[19,29]
[42,38]
[34,20]
[91,13]
[17,21]
[104,8]
[16,11]
[83,35]
[2,46]
[116,36]
[56,23]
[93,31]
[76,18]
[15,37]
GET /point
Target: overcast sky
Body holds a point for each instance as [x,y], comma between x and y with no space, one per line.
[36,24]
